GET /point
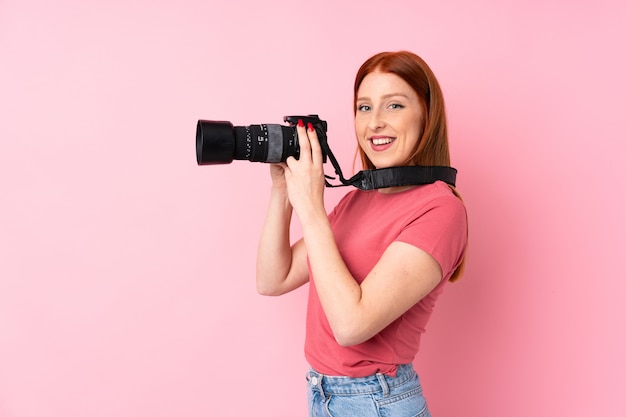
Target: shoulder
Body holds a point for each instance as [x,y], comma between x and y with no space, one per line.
[439,195]
[426,199]
[436,203]
[434,200]
[437,191]
[439,227]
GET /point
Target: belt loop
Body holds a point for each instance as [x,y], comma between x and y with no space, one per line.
[383,384]
[315,379]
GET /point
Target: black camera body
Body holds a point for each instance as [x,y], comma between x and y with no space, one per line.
[219,142]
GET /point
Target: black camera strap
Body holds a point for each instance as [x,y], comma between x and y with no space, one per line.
[390,177]
[372,179]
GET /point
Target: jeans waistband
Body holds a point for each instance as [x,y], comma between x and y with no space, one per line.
[345,385]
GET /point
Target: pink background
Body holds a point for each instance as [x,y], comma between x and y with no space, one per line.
[127,272]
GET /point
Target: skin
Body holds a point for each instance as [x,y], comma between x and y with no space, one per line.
[388,109]
[403,275]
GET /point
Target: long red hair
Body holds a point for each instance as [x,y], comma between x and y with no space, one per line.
[432,149]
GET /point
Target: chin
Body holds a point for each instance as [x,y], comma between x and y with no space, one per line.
[383,164]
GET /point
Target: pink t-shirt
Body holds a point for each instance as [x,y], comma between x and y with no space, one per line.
[365,223]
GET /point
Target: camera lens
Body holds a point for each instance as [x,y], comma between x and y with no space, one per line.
[221,142]
[265,143]
[215,142]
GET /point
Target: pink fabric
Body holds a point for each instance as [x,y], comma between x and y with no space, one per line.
[365,223]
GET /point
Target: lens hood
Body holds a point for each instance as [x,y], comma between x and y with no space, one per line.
[215,142]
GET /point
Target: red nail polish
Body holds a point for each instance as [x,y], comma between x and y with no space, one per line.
[300,123]
[310,126]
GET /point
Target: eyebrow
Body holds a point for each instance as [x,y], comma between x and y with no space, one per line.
[386,96]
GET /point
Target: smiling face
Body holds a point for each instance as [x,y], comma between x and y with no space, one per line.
[389,119]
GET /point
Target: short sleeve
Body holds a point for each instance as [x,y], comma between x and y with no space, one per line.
[441,231]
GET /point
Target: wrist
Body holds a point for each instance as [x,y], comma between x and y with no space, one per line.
[279,195]
[313,217]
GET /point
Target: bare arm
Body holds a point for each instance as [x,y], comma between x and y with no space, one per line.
[402,277]
[280,267]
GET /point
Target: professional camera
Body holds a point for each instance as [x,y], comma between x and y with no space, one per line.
[219,142]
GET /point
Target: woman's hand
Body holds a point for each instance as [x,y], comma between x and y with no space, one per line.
[299,185]
[277,172]
[305,176]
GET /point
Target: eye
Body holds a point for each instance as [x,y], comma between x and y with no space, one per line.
[363,107]
[396,106]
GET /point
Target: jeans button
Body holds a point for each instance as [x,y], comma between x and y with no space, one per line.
[314,380]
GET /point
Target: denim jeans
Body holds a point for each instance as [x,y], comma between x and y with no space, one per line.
[377,395]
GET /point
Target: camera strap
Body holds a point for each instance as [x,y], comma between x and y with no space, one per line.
[390,177]
[373,179]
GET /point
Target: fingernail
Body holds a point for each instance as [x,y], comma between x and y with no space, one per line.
[310,127]
[300,123]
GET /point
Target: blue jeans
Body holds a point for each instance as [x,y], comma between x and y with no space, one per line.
[377,395]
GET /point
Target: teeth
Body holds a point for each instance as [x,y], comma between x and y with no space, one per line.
[382,141]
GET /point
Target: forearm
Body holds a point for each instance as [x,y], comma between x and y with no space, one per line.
[402,276]
[339,293]
[274,257]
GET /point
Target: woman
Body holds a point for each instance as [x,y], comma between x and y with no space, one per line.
[377,263]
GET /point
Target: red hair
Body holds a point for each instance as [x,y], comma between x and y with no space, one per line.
[432,149]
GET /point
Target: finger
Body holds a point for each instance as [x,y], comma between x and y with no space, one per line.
[277,167]
[303,140]
[289,162]
[316,148]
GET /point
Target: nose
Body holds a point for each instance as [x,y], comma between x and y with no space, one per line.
[376,120]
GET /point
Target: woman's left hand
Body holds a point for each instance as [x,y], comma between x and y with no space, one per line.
[305,176]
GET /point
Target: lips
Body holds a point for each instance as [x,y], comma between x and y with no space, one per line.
[380,143]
